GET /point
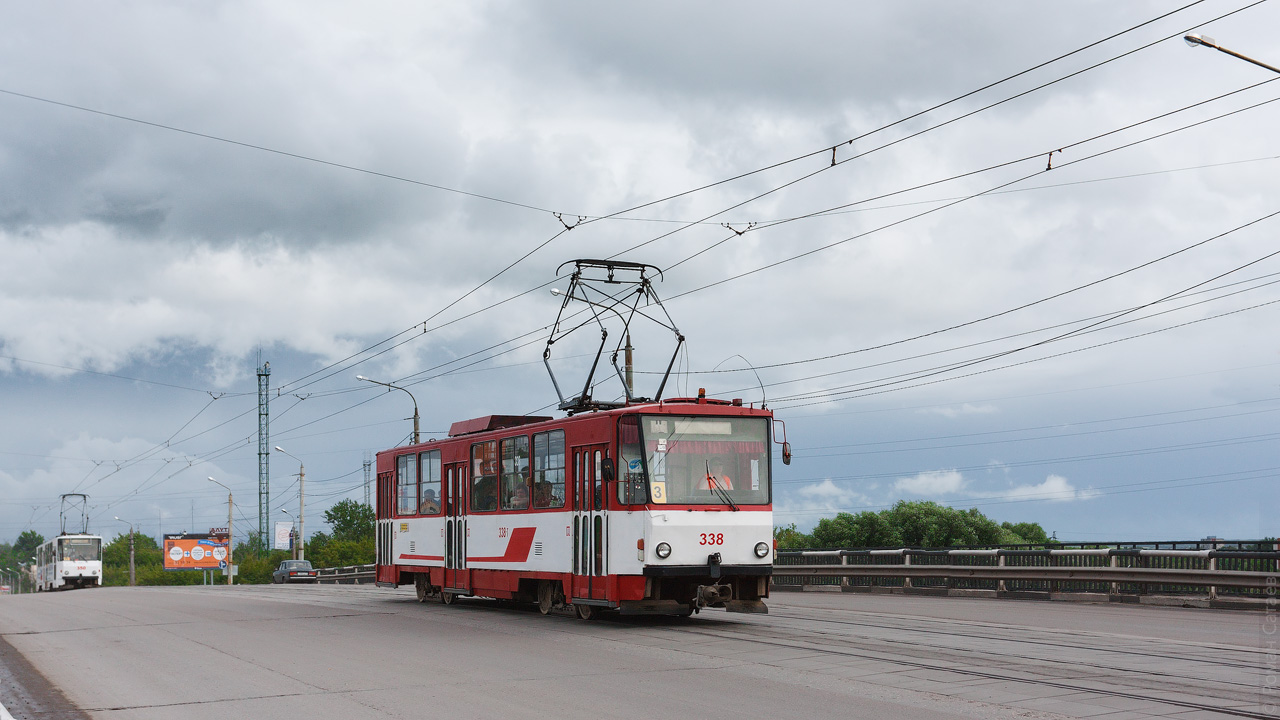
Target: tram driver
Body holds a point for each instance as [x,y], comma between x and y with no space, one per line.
[716,476]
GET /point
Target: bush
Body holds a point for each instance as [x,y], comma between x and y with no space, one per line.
[910,524]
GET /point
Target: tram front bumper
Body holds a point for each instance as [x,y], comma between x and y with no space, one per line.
[660,571]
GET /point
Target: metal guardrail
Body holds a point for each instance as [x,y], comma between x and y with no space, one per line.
[1121,573]
[349,575]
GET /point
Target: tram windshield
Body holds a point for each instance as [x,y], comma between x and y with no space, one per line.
[698,460]
[79,549]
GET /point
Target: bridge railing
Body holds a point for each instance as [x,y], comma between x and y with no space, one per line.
[1119,572]
[349,575]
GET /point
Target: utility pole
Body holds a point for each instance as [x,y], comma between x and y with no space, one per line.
[293,535]
[231,565]
[302,480]
[264,451]
[132,578]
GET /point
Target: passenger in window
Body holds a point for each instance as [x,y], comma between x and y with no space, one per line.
[542,495]
[717,476]
[486,496]
[519,498]
[430,503]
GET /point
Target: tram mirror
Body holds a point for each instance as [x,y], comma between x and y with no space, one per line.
[786,453]
[606,470]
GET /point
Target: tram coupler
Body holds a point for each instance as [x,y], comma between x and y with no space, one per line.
[712,595]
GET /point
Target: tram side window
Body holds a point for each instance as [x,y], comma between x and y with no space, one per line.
[631,484]
[484,476]
[429,464]
[548,469]
[407,484]
[515,473]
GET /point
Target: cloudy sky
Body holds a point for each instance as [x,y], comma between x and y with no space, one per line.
[854,198]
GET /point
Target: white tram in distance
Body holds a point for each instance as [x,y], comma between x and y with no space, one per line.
[650,508]
[69,561]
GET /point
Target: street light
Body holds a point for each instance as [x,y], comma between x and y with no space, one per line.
[292,521]
[230,536]
[132,577]
[1195,39]
[302,478]
[397,387]
[29,572]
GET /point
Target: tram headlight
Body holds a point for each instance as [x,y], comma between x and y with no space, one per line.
[663,550]
[762,549]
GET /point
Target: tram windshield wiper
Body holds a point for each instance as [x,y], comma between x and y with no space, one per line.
[714,483]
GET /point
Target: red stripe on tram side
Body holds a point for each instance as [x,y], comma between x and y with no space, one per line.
[405,556]
[517,547]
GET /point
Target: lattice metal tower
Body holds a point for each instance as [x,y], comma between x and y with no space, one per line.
[368,465]
[264,451]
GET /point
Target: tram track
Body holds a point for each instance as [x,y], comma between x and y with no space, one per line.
[1139,685]
[933,632]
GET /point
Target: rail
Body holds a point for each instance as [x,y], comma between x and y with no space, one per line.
[349,575]
[1121,574]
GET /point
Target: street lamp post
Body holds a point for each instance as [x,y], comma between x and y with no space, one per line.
[302,478]
[397,387]
[132,578]
[1195,39]
[231,566]
[292,522]
[24,569]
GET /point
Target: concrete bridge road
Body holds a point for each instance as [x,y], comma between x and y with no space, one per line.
[361,652]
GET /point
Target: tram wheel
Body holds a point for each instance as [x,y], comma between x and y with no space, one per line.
[421,588]
[446,598]
[545,597]
[585,612]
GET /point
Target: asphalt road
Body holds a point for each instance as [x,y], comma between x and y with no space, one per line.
[362,652]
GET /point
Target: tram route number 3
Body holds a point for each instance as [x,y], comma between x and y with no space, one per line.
[710,538]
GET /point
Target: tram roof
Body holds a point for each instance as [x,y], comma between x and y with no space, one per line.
[703,405]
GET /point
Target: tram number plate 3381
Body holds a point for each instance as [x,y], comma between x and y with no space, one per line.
[710,538]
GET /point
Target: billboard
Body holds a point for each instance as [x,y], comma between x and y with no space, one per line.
[283,535]
[194,552]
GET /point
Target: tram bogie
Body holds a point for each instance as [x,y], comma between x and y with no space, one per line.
[660,507]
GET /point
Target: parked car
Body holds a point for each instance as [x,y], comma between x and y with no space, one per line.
[295,571]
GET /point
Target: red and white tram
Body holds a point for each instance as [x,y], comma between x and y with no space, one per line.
[653,507]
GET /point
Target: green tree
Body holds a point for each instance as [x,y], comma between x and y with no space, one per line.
[928,524]
[789,538]
[352,541]
[26,544]
[866,529]
[329,551]
[1024,533]
[351,521]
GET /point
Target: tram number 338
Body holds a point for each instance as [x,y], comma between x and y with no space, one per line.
[710,538]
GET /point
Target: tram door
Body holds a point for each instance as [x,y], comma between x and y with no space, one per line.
[387,572]
[590,531]
[456,575]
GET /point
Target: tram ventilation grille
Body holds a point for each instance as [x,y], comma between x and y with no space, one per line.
[412,546]
[537,548]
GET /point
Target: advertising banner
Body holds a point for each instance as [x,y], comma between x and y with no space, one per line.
[194,552]
[284,532]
